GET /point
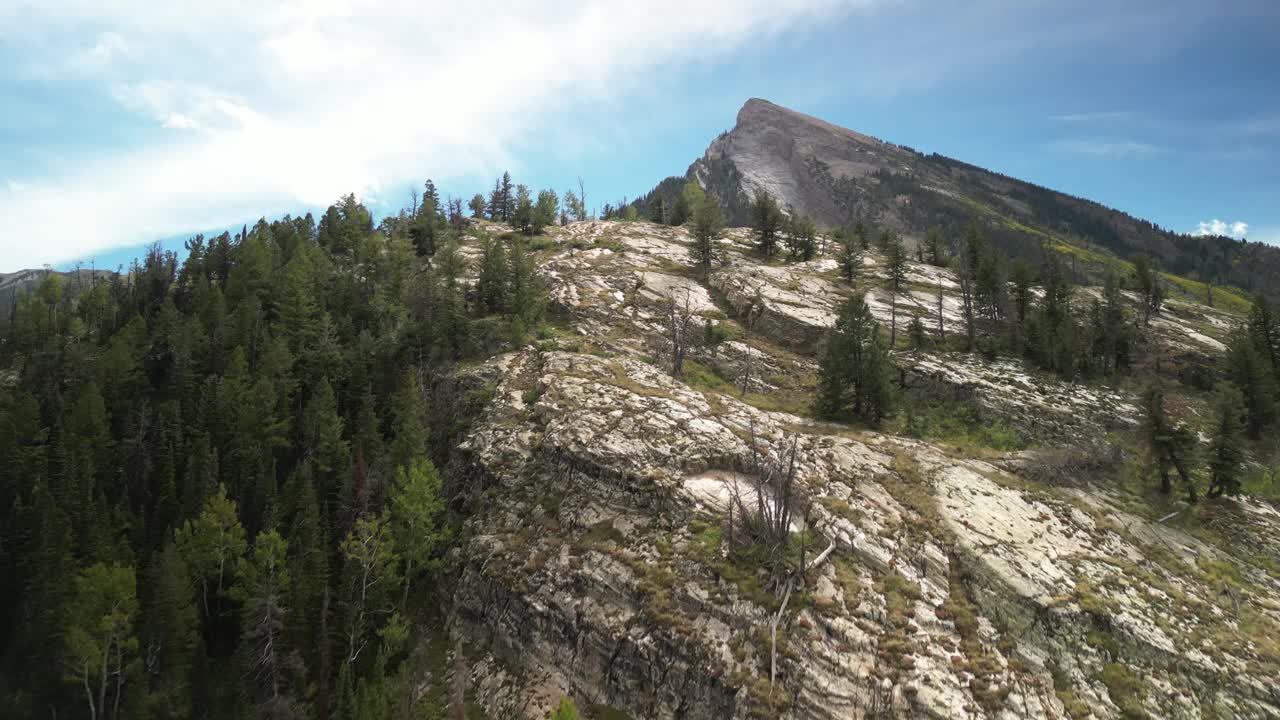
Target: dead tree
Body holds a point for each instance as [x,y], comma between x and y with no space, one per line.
[679,323]
[942,335]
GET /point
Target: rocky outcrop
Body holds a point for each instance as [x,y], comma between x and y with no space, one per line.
[595,563]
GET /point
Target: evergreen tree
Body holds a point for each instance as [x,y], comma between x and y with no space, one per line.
[933,250]
[1111,329]
[477,205]
[801,238]
[850,258]
[522,215]
[497,205]
[1054,321]
[368,583]
[1150,290]
[507,196]
[492,284]
[409,439]
[854,373]
[766,220]
[1245,368]
[273,668]
[415,507]
[545,211]
[896,267]
[707,224]
[1021,277]
[1264,329]
[169,633]
[658,208]
[918,336]
[1226,443]
[211,546]
[99,639]
[1171,446]
[971,252]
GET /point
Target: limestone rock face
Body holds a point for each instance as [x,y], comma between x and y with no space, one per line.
[594,565]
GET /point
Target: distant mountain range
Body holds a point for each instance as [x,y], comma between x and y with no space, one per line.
[23,280]
[838,176]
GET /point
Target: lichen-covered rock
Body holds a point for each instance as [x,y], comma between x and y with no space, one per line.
[594,563]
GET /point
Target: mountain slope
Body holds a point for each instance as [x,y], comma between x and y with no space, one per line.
[837,175]
[600,562]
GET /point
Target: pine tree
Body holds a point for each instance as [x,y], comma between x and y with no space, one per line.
[1226,443]
[1054,320]
[308,559]
[497,205]
[801,238]
[263,593]
[1112,333]
[707,224]
[1248,370]
[477,205]
[766,220]
[1020,276]
[368,582]
[854,373]
[169,633]
[507,197]
[212,546]
[850,258]
[1170,445]
[545,211]
[971,251]
[409,438]
[492,283]
[933,250]
[1264,329]
[522,215]
[415,507]
[524,290]
[918,336]
[99,638]
[658,208]
[1150,290]
[896,266]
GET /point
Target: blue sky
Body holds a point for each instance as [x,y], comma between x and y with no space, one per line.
[127,122]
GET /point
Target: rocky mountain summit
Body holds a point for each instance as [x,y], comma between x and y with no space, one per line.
[941,579]
[838,176]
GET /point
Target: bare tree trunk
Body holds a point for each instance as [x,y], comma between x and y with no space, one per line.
[773,632]
[942,335]
[88,693]
[322,686]
[893,319]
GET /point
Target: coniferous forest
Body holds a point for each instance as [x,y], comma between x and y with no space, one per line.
[220,494]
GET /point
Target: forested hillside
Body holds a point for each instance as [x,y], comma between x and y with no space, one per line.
[219,491]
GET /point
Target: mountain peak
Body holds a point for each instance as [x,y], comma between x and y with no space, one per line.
[836,176]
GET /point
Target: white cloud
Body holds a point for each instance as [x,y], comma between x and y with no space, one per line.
[1236,229]
[294,105]
[107,47]
[1109,148]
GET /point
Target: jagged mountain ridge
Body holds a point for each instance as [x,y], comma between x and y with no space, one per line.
[836,175]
